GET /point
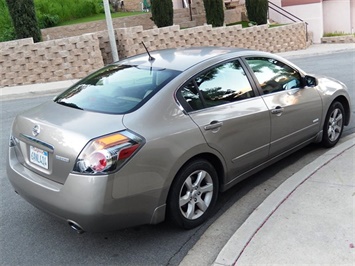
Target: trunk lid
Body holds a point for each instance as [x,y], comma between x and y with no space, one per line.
[50,137]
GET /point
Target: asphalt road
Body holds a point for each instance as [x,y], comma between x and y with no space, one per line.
[30,237]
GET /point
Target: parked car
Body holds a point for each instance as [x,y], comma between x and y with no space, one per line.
[159,135]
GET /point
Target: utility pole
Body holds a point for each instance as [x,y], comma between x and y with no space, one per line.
[111,33]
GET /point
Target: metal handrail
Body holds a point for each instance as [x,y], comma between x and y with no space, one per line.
[292,18]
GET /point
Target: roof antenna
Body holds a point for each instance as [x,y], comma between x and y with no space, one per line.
[151,58]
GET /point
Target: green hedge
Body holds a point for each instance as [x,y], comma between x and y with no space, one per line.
[214,12]
[24,19]
[162,12]
[257,11]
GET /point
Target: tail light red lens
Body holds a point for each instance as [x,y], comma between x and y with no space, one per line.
[99,161]
[108,153]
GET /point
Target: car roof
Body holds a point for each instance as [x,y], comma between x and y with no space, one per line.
[183,58]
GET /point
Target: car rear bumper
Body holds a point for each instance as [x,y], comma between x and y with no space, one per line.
[83,200]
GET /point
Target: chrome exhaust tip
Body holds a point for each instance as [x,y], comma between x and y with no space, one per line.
[77,228]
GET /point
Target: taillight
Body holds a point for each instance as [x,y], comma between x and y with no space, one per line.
[108,153]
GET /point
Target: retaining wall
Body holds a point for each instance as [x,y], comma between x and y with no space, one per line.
[278,39]
[25,62]
[339,39]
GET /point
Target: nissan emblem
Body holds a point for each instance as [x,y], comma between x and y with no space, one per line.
[36,130]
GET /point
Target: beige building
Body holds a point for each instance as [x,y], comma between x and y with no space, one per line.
[322,16]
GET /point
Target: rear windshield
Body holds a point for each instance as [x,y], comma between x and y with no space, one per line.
[116,89]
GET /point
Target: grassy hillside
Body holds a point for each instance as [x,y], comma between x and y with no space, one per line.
[51,13]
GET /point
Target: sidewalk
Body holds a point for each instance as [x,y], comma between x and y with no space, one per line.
[308,220]
[319,49]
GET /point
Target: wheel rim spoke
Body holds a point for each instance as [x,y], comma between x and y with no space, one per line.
[184,199]
[188,183]
[338,118]
[200,177]
[190,210]
[207,188]
[332,135]
[335,113]
[201,204]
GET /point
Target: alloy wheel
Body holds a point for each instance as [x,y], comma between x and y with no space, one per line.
[196,194]
[335,124]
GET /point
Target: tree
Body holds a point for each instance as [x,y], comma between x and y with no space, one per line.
[24,19]
[257,10]
[214,12]
[162,12]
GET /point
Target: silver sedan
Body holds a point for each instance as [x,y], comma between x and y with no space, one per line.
[159,135]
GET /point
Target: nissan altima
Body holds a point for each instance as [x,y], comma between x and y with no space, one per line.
[159,135]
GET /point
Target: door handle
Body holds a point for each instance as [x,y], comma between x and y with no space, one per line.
[277,110]
[213,125]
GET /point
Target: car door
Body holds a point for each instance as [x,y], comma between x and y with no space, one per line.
[295,110]
[233,119]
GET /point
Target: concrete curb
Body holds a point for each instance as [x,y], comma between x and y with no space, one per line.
[239,241]
[319,49]
[41,89]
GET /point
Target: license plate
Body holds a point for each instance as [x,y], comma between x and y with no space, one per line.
[39,157]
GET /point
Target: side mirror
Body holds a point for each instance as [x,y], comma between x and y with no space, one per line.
[310,81]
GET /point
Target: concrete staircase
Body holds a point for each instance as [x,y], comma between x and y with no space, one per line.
[182,18]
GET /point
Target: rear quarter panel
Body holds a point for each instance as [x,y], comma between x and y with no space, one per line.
[172,139]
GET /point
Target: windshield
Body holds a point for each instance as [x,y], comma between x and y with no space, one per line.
[116,89]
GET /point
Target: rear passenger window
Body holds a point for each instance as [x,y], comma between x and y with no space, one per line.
[191,95]
[222,84]
[273,75]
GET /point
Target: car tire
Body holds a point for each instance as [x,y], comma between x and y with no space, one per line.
[193,194]
[333,125]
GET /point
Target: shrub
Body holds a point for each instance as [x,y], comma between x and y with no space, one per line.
[24,19]
[162,12]
[257,10]
[68,9]
[214,12]
[47,20]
